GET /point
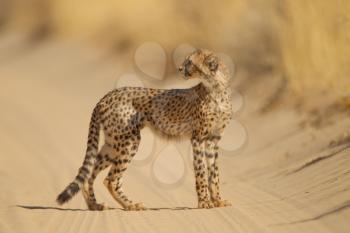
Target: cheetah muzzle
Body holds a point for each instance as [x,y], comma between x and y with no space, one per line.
[199,113]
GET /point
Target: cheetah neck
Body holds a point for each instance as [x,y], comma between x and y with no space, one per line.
[216,86]
[217,83]
[222,80]
[220,93]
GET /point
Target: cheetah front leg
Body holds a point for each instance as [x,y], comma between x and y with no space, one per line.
[200,171]
[212,152]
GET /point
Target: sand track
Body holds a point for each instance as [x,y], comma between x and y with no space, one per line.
[288,178]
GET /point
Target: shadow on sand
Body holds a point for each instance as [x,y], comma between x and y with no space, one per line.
[29,207]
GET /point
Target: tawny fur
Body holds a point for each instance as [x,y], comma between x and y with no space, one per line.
[200,112]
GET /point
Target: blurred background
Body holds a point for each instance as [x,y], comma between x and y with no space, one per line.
[304,42]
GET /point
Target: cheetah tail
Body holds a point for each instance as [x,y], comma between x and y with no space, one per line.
[86,169]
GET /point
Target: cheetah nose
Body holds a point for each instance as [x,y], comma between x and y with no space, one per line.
[181,68]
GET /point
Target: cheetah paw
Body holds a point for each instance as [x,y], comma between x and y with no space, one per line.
[221,203]
[135,207]
[205,204]
[96,206]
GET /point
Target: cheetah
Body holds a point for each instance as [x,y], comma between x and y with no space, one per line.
[199,113]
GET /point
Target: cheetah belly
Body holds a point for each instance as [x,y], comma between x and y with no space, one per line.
[172,114]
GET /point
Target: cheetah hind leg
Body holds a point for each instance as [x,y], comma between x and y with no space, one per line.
[113,181]
[121,198]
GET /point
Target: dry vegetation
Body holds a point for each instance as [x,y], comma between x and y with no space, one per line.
[306,41]
[315,44]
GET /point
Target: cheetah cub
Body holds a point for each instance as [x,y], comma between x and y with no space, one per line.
[200,112]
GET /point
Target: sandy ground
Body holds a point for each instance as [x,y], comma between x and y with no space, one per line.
[292,175]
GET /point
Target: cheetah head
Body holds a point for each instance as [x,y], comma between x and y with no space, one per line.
[206,66]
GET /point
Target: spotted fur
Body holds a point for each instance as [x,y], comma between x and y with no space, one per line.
[200,113]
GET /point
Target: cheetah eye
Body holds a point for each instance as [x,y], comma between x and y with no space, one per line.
[212,63]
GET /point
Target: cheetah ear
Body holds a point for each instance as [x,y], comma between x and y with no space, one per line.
[212,63]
